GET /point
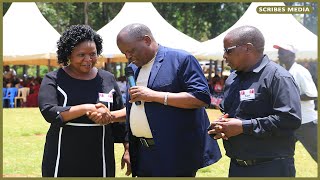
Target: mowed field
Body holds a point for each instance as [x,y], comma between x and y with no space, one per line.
[24,132]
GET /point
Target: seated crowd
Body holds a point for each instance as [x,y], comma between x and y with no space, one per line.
[10,80]
[216,85]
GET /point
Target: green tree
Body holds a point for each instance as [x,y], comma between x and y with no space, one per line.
[310,21]
[62,15]
[6,7]
[202,21]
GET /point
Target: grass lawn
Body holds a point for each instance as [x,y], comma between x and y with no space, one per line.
[24,132]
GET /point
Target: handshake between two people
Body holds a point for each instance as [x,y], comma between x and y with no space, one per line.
[225,127]
[101,114]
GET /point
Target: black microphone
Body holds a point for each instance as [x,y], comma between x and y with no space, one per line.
[130,78]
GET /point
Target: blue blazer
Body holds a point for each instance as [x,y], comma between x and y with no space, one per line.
[180,135]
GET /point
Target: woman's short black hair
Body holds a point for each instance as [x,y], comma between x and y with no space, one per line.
[74,35]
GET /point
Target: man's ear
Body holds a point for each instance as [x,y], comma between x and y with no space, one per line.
[249,47]
[147,40]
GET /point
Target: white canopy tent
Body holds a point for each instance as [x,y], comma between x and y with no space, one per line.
[145,13]
[28,38]
[276,28]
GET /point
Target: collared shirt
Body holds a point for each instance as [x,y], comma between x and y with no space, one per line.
[306,86]
[267,101]
[138,119]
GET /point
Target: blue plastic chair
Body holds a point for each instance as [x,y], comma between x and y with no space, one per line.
[11,93]
[4,91]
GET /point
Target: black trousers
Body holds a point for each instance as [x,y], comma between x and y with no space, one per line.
[276,168]
[147,164]
[307,135]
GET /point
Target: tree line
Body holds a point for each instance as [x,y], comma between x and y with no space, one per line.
[201,21]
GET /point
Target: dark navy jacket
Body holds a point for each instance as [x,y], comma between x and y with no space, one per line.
[270,119]
[180,135]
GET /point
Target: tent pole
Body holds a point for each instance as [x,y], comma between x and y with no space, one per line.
[222,68]
[121,69]
[210,70]
[24,67]
[105,66]
[38,71]
[108,67]
[115,70]
[216,67]
[49,66]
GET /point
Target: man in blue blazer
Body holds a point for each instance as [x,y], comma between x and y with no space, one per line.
[167,130]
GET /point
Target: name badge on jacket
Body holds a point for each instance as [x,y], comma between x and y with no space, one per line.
[106,97]
[247,94]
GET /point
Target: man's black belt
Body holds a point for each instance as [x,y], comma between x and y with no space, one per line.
[253,162]
[146,142]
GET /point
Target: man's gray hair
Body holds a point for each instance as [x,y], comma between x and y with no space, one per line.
[137,31]
[248,34]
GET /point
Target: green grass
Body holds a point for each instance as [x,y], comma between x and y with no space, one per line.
[24,132]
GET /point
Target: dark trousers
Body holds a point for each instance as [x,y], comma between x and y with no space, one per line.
[276,168]
[307,135]
[147,166]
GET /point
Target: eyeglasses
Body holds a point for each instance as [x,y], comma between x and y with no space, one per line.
[228,50]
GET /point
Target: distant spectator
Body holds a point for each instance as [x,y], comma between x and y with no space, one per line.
[307,133]
[32,99]
[8,73]
[313,68]
[8,83]
[216,89]
[123,87]
[122,84]
[213,82]
[19,83]
[218,86]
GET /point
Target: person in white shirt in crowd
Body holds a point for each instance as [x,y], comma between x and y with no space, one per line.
[307,133]
[8,73]
[123,87]
[9,77]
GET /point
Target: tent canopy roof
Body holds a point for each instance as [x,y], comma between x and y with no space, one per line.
[28,38]
[276,28]
[144,13]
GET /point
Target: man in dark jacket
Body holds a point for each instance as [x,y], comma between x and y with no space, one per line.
[262,109]
[167,131]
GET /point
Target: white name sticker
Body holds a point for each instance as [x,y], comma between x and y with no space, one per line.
[247,94]
[106,97]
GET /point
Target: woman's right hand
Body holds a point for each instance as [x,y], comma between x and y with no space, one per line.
[101,114]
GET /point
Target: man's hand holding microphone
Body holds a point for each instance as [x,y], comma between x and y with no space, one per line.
[138,93]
